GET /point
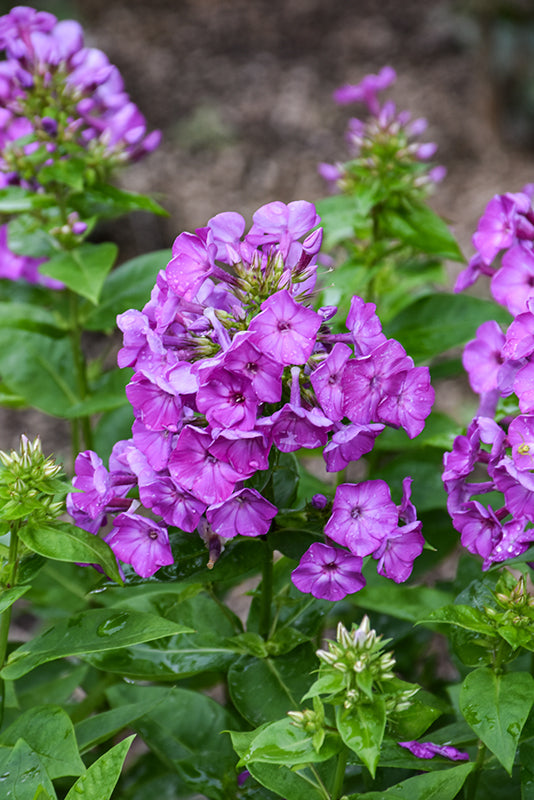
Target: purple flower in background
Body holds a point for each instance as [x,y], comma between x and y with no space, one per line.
[328,572]
[366,91]
[362,516]
[140,542]
[429,750]
[244,513]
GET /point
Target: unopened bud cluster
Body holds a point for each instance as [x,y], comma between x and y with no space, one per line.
[29,482]
[312,721]
[366,669]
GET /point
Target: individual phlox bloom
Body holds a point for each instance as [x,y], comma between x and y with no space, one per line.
[514,541]
[365,326]
[245,451]
[480,528]
[284,329]
[244,513]
[521,440]
[524,387]
[408,402]
[194,467]
[399,550]
[293,427]
[227,229]
[155,404]
[191,263]
[512,286]
[465,451]
[407,510]
[429,750]
[15,267]
[363,515]
[94,484]
[483,357]
[156,445]
[367,90]
[349,443]
[459,491]
[281,224]
[228,400]
[83,520]
[520,335]
[141,542]
[468,276]
[22,21]
[328,573]
[263,372]
[365,380]
[175,505]
[140,342]
[326,381]
[118,459]
[497,228]
[490,432]
[517,487]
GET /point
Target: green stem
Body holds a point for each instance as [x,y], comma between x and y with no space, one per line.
[81,369]
[94,699]
[339,777]
[266,590]
[6,615]
[472,781]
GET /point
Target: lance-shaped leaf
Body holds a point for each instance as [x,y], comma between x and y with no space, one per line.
[91,631]
[65,542]
[8,596]
[282,742]
[496,707]
[84,269]
[98,782]
[362,729]
[442,785]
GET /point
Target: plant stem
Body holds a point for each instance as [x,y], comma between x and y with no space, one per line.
[472,781]
[81,370]
[266,590]
[94,699]
[339,777]
[6,615]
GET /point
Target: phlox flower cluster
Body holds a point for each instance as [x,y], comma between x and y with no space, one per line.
[232,367]
[384,146]
[56,94]
[499,445]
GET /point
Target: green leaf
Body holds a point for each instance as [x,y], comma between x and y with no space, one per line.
[50,733]
[434,324]
[410,603]
[425,467]
[263,690]
[84,269]
[91,631]
[23,774]
[127,286]
[282,742]
[416,224]
[341,213]
[9,596]
[63,541]
[69,171]
[106,201]
[497,707]
[99,728]
[98,782]
[26,237]
[52,683]
[463,617]
[185,729]
[27,317]
[362,729]
[107,394]
[15,200]
[39,369]
[526,759]
[442,785]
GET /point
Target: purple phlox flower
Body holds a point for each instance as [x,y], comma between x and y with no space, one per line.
[407,510]
[521,440]
[281,224]
[520,335]
[330,172]
[349,443]
[515,540]
[175,505]
[326,381]
[319,501]
[118,460]
[242,777]
[191,263]
[227,229]
[512,285]
[517,487]
[490,432]
[365,326]
[17,26]
[263,372]
[141,542]
[482,530]
[15,267]
[399,550]
[366,91]
[228,400]
[483,358]
[362,516]
[501,224]
[194,467]
[408,402]
[365,380]
[429,750]
[244,513]
[459,492]
[285,329]
[155,403]
[245,451]
[293,426]
[94,484]
[142,347]
[524,387]
[156,445]
[465,451]
[328,572]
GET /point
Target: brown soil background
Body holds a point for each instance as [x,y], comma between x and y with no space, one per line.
[241,90]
